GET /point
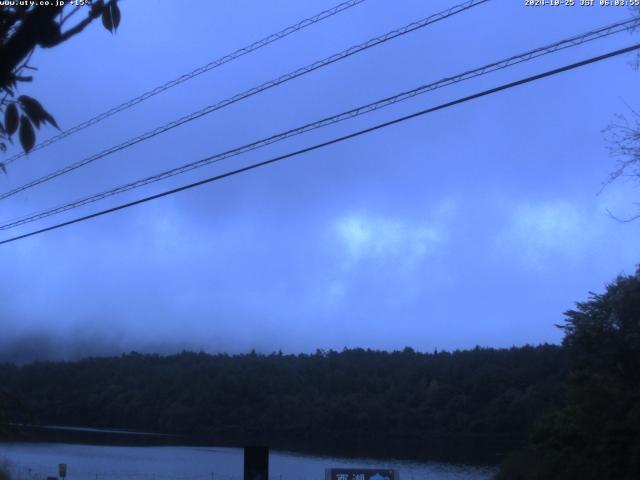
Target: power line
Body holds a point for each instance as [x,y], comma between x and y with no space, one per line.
[510,61]
[253,91]
[188,76]
[318,146]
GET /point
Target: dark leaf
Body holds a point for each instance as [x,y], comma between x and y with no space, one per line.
[3,146]
[106,19]
[3,168]
[36,112]
[115,15]
[11,118]
[49,118]
[32,108]
[27,134]
[95,8]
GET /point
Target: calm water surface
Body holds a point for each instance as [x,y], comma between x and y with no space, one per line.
[36,461]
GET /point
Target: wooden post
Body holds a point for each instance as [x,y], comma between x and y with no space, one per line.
[256,463]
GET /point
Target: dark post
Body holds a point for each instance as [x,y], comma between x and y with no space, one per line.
[256,463]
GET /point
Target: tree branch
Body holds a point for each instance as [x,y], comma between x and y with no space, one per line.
[69,15]
[40,28]
[37,25]
[623,220]
[93,14]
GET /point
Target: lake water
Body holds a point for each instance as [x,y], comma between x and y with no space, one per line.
[36,461]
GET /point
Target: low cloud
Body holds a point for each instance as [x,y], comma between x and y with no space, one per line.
[368,237]
[538,234]
[548,234]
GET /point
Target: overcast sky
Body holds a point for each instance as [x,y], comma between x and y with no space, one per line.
[477,225]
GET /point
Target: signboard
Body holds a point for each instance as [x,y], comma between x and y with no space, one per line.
[361,474]
[62,470]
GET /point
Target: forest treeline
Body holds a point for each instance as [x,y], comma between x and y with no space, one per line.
[442,404]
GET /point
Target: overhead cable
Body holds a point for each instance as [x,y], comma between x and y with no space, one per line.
[361,110]
[329,142]
[194,73]
[253,91]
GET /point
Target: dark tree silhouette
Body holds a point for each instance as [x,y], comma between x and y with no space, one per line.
[596,434]
[23,28]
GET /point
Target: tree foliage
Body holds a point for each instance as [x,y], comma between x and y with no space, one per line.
[23,28]
[597,433]
[372,401]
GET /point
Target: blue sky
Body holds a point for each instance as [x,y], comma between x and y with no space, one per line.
[477,225]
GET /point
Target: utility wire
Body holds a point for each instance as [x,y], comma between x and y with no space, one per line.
[502,64]
[318,146]
[188,76]
[253,91]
